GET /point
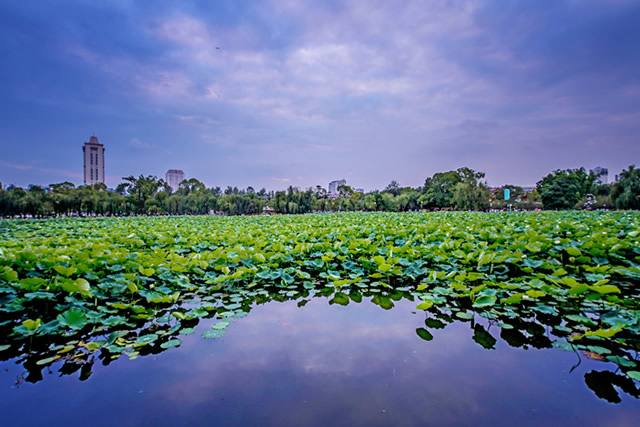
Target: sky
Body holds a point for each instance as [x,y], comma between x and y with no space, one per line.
[276,93]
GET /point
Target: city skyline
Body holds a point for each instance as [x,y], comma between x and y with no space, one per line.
[272,94]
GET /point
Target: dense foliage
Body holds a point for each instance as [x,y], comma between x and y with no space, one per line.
[150,195]
[72,287]
[462,189]
[563,189]
[626,192]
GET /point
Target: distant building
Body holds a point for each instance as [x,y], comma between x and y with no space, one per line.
[173,178]
[268,210]
[93,153]
[359,190]
[333,185]
[602,174]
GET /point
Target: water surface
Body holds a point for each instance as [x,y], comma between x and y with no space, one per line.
[324,365]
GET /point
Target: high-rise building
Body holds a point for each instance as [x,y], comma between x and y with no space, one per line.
[93,161]
[333,185]
[173,178]
[602,174]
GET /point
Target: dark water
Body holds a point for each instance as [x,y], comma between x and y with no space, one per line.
[327,365]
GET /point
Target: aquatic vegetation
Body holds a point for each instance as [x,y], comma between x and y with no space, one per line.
[73,288]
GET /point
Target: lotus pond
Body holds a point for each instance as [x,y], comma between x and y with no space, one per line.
[377,318]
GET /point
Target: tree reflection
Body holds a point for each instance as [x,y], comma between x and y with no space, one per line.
[75,354]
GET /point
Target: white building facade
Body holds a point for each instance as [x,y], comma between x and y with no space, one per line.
[173,178]
[93,153]
[333,185]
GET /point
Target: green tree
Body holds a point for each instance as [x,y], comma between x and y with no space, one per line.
[393,188]
[626,192]
[438,190]
[470,197]
[141,190]
[562,189]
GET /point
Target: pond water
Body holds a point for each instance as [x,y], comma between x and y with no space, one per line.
[323,364]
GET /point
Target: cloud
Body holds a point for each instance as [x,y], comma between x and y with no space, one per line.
[136,144]
[48,171]
[315,88]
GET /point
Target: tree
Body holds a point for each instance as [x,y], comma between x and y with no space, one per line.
[142,189]
[345,190]
[189,186]
[62,197]
[626,192]
[562,189]
[443,190]
[393,188]
[437,190]
[470,197]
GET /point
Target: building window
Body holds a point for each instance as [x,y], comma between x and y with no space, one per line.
[91,174]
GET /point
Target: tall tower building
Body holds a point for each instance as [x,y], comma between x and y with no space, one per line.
[174,177]
[602,174]
[333,185]
[93,161]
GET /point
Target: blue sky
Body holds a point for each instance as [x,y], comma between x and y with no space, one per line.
[278,93]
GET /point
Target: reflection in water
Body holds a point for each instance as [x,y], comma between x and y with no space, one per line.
[342,361]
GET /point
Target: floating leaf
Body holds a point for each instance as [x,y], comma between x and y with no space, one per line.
[634,374]
[213,333]
[464,316]
[424,334]
[340,298]
[171,343]
[220,325]
[31,325]
[73,318]
[47,360]
[484,301]
[424,305]
[146,339]
[563,345]
[573,251]
[606,289]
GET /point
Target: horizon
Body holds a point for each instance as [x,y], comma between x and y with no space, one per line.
[272,95]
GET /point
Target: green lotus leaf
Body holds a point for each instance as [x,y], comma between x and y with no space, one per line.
[425,305]
[424,334]
[47,360]
[606,289]
[171,343]
[220,325]
[339,298]
[634,374]
[31,325]
[32,283]
[65,271]
[73,318]
[213,333]
[485,301]
[146,339]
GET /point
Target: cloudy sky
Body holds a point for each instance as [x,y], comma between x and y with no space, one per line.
[278,93]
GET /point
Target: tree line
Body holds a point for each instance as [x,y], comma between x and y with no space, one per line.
[461,189]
